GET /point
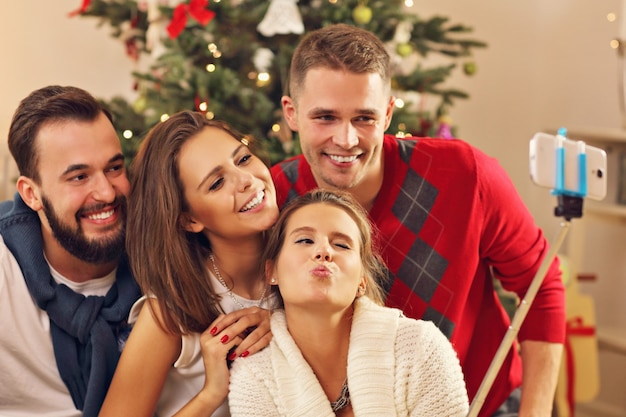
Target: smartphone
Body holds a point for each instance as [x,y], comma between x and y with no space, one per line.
[543,164]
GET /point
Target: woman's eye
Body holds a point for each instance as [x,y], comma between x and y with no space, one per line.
[305,240]
[343,245]
[244,159]
[217,184]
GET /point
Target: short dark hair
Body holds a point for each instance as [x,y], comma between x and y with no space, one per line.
[338,47]
[47,105]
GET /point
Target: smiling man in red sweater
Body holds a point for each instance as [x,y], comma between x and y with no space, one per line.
[447,215]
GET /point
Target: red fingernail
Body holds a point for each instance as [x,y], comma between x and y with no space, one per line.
[213,331]
[232,356]
[224,338]
[244,354]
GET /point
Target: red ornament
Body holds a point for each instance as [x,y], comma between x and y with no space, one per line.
[131,49]
[424,129]
[197,10]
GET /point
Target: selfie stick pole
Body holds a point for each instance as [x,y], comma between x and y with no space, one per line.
[570,205]
[518,318]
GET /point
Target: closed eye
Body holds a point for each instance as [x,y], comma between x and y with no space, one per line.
[216,184]
[305,241]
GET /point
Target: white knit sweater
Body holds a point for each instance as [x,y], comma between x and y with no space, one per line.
[396,367]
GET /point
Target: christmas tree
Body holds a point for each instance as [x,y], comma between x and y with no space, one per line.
[230,59]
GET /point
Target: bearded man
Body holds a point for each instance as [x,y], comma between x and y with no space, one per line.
[65,286]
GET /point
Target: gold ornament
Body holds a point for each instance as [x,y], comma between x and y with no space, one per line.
[362,14]
[469,68]
[140,104]
[404,49]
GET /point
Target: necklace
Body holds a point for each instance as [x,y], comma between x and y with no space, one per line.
[344,398]
[230,293]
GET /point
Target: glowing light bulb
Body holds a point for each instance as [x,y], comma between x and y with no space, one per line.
[203,106]
[128,134]
[399,103]
[210,68]
[164,117]
[262,79]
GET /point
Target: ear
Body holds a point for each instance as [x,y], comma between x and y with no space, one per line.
[389,113]
[190,224]
[362,287]
[269,273]
[30,192]
[290,112]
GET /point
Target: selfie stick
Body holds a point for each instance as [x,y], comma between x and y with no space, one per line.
[570,204]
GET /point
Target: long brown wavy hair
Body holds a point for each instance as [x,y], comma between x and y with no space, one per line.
[167,261]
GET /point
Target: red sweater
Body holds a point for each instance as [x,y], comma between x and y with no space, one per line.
[447,214]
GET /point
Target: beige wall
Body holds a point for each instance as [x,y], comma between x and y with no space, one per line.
[548,64]
[41,45]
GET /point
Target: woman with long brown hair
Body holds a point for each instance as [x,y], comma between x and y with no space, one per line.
[200,204]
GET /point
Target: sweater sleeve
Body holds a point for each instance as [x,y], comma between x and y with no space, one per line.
[250,395]
[515,246]
[431,369]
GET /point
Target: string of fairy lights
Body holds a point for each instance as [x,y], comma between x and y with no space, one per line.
[263,77]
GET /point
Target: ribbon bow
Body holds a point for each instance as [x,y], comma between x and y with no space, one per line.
[82,9]
[197,10]
[575,327]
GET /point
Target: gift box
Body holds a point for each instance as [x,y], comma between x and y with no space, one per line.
[579,378]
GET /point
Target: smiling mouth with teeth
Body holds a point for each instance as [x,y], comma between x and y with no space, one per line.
[254,202]
[343,159]
[101,216]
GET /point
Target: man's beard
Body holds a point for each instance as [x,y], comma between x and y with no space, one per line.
[95,251]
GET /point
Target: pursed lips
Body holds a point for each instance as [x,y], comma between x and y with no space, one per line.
[321,271]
